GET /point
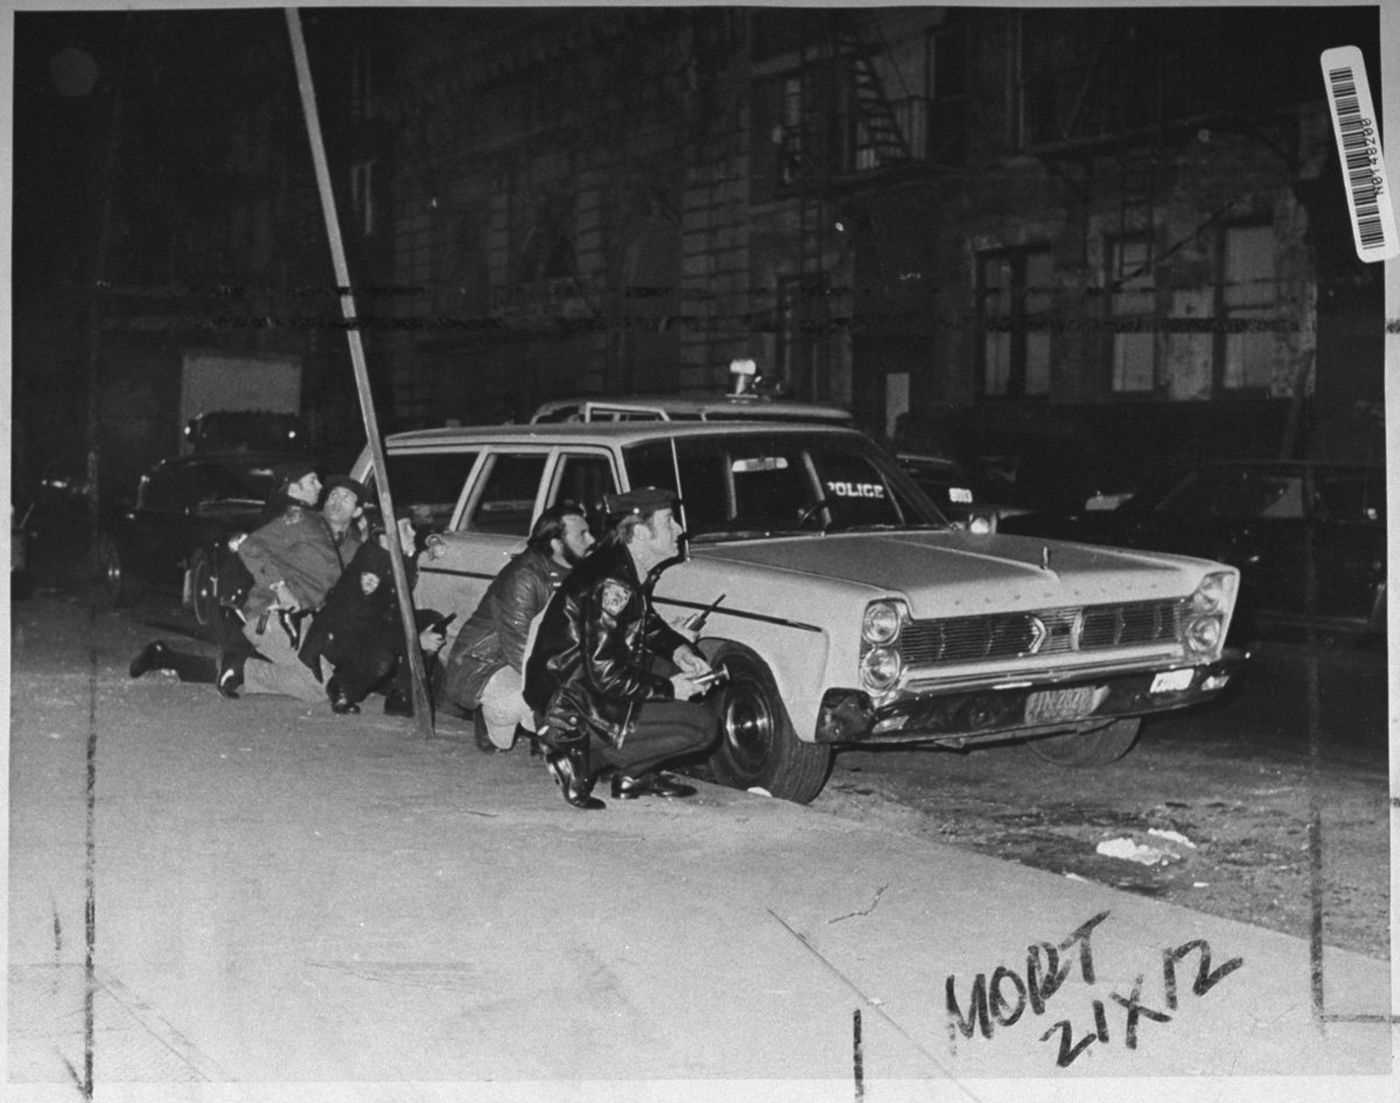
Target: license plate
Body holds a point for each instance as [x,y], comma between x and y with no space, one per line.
[1170,681]
[1053,705]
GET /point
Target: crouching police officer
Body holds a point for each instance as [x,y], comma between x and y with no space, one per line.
[589,673]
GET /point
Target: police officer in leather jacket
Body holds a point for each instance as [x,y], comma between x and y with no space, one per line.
[591,673]
[485,669]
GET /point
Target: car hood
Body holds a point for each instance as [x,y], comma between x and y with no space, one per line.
[957,573]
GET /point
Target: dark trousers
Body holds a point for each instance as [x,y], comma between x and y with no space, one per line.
[380,664]
[361,670]
[664,730]
[227,629]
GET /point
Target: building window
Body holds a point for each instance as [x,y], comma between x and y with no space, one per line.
[1013,302]
[362,196]
[1132,309]
[945,138]
[361,85]
[1247,307]
[789,136]
[793,133]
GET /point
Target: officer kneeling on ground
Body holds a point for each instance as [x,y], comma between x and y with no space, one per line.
[359,631]
[589,673]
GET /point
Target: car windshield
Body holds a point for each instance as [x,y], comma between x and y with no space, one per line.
[748,484]
[1236,493]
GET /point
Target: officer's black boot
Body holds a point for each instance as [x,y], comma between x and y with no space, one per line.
[568,763]
[231,672]
[341,701]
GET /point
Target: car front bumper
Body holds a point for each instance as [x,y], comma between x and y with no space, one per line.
[966,715]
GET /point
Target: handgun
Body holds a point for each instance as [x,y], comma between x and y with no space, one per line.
[441,625]
[697,622]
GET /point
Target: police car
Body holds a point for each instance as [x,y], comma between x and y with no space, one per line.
[854,613]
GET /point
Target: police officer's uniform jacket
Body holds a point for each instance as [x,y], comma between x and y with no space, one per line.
[589,666]
[297,548]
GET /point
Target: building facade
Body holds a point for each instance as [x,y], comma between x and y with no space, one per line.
[972,226]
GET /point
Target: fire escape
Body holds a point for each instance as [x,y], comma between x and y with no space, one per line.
[841,132]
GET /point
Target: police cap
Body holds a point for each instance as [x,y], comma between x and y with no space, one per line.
[355,487]
[644,501]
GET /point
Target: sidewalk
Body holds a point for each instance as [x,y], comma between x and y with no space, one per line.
[290,904]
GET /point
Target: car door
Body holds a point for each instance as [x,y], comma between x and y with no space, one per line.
[428,486]
[499,503]
[1273,535]
[157,527]
[1349,545]
[510,487]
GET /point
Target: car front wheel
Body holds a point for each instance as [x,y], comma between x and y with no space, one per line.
[114,585]
[758,747]
[1095,748]
[204,601]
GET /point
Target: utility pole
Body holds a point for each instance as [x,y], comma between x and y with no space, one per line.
[94,321]
[422,707]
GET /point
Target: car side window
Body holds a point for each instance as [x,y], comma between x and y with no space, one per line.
[583,478]
[1349,498]
[426,486]
[505,502]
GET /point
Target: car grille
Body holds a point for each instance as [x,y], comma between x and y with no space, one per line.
[1042,632]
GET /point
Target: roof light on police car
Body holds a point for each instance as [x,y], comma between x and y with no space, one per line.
[744,374]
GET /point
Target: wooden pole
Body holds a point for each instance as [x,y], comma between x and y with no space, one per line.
[422,708]
[96,563]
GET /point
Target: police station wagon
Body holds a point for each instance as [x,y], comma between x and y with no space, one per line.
[853,612]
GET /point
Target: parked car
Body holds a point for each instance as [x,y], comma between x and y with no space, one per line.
[266,431]
[953,489]
[50,530]
[1051,475]
[171,536]
[1289,526]
[855,614]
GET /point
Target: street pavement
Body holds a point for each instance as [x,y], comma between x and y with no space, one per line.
[259,900]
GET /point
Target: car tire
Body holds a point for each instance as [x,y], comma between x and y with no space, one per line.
[758,747]
[113,585]
[204,597]
[1095,748]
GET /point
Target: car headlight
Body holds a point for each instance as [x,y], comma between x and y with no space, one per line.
[1215,594]
[981,522]
[1203,630]
[1203,633]
[882,622]
[880,668]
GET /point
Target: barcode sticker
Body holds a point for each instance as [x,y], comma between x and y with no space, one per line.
[1359,149]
